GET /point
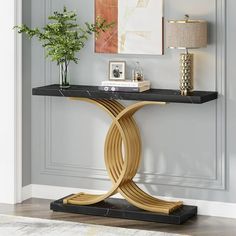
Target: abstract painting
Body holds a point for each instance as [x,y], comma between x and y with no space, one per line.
[138,27]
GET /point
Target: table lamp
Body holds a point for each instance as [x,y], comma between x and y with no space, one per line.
[186,34]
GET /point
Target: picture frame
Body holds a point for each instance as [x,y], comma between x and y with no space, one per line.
[130,34]
[117,70]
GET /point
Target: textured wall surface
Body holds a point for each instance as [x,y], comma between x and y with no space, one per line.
[184,151]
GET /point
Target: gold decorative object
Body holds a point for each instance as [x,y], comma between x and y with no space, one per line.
[186,69]
[186,34]
[122,158]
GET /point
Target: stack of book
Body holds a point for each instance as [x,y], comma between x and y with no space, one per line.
[125,86]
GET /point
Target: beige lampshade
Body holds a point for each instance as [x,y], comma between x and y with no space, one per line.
[186,34]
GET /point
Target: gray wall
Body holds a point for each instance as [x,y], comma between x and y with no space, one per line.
[184,146]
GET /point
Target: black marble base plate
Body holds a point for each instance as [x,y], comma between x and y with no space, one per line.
[119,208]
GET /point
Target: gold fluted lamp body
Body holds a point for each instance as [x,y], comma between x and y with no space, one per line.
[186,73]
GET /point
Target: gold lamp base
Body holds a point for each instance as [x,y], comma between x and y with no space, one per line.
[186,70]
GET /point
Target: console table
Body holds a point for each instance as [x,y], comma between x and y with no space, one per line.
[123,155]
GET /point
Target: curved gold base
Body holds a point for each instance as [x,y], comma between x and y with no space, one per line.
[122,158]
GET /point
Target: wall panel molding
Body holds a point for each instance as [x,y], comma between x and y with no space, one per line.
[217,181]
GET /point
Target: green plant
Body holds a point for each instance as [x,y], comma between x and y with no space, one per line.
[64,37]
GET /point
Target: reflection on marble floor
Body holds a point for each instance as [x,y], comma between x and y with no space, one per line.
[22,226]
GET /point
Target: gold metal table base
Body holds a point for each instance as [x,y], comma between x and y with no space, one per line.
[122,158]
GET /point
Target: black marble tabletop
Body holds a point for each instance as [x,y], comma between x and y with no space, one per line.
[160,95]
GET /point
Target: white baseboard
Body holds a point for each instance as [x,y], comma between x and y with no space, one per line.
[208,208]
[26,192]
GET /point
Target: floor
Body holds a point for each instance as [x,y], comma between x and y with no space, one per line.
[201,225]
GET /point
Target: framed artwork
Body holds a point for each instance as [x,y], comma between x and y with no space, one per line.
[138,26]
[117,70]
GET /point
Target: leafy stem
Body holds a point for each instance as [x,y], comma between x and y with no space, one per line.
[63,37]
